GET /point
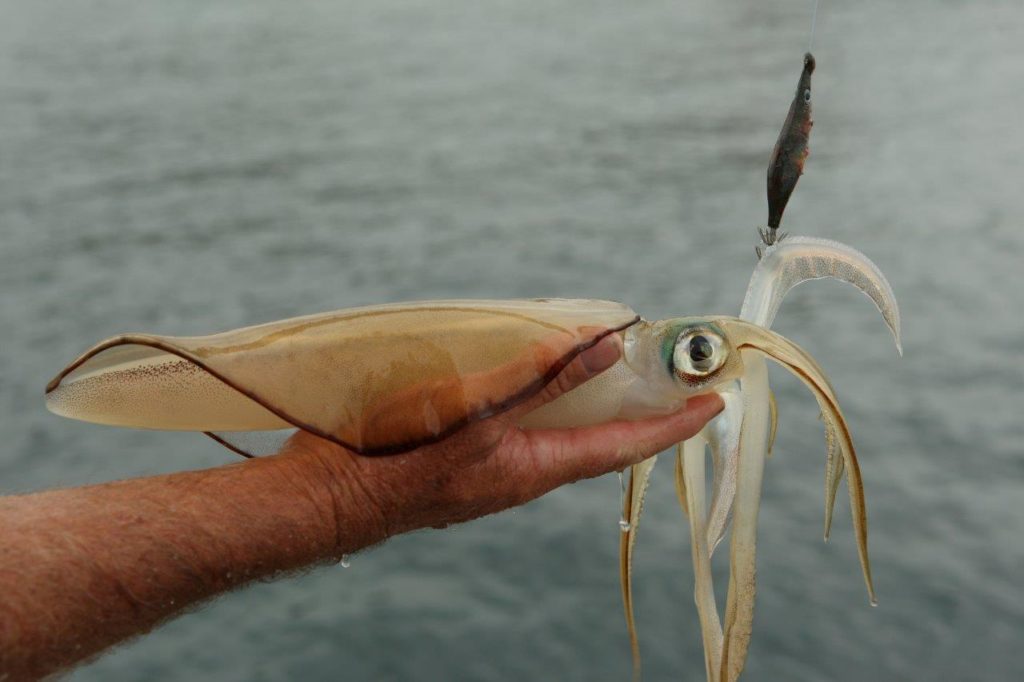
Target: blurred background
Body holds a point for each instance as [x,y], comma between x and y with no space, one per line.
[191,166]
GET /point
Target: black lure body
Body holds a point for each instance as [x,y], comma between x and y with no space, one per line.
[791,149]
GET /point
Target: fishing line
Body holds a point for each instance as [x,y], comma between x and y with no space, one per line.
[814,21]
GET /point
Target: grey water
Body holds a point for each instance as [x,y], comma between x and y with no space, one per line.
[186,167]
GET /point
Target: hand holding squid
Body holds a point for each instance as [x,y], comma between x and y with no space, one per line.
[494,464]
[185,537]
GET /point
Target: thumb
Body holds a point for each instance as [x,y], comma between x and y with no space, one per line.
[583,367]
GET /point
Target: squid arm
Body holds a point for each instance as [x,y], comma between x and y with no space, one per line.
[739,606]
[680,481]
[784,266]
[801,259]
[633,504]
[760,342]
[723,437]
[804,367]
[690,476]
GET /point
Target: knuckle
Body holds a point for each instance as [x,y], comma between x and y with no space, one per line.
[569,378]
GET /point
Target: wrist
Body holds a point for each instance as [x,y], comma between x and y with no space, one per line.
[352,516]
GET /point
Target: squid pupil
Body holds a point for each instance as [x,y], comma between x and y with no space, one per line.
[807,95]
[700,349]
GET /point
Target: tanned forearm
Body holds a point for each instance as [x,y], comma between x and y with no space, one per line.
[84,568]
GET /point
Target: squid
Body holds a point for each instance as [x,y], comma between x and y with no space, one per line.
[388,379]
[739,439]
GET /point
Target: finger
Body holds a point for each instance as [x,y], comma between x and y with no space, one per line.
[561,456]
[583,367]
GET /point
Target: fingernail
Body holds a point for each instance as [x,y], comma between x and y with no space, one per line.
[602,355]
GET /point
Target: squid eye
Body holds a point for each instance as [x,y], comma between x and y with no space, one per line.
[699,354]
[807,95]
[700,350]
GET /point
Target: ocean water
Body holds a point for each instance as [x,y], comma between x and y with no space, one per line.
[189,167]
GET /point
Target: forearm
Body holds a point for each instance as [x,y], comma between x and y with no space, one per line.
[84,568]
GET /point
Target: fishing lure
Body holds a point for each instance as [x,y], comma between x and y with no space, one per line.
[791,149]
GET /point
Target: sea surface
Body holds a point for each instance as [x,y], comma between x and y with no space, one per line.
[192,166]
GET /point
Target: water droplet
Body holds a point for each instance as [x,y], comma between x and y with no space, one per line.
[345,561]
[623,523]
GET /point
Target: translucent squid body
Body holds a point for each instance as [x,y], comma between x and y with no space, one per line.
[739,440]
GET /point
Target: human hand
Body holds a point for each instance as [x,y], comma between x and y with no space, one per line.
[489,465]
